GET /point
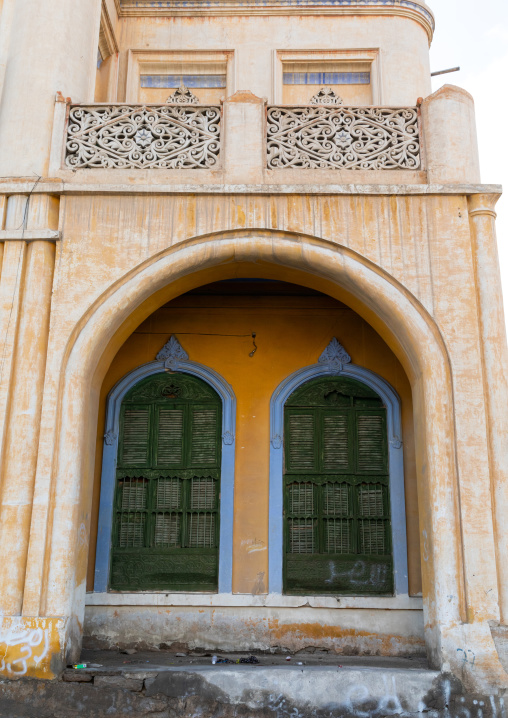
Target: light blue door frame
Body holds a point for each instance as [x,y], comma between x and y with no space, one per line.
[334,364]
[109,459]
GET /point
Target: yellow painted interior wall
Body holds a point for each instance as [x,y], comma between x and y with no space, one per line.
[291,332]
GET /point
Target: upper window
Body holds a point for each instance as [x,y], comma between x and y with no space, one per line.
[352,74]
[166,510]
[337,533]
[207,81]
[153,76]
[302,80]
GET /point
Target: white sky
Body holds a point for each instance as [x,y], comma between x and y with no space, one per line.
[474,35]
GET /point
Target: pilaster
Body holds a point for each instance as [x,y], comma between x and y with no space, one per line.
[31,292]
[495,368]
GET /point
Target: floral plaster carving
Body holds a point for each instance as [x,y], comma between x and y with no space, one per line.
[176,136]
[326,96]
[172,353]
[110,437]
[334,356]
[183,96]
[337,137]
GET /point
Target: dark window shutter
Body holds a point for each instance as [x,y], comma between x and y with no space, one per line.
[336,450]
[336,501]
[135,437]
[301,441]
[371,442]
[204,436]
[166,531]
[132,499]
[170,437]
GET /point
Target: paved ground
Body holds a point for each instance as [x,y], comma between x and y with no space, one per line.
[151,660]
[161,684]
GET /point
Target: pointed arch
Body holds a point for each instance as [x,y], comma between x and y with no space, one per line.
[372,292]
[177,361]
[334,362]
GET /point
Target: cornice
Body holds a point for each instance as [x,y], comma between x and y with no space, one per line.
[56,187]
[415,9]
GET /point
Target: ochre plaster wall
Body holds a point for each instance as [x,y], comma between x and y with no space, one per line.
[404,74]
[291,332]
[404,262]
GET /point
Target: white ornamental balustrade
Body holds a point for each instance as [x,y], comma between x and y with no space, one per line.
[171,136]
[331,136]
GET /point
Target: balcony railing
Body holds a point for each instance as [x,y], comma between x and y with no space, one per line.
[343,138]
[188,136]
[171,136]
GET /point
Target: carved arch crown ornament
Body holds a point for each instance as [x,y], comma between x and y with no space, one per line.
[326,96]
[335,361]
[171,358]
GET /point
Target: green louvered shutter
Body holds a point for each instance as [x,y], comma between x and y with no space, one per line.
[336,441]
[203,438]
[337,536]
[135,439]
[371,442]
[301,447]
[170,437]
[166,532]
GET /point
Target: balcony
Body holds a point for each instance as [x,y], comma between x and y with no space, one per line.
[343,138]
[175,136]
[244,142]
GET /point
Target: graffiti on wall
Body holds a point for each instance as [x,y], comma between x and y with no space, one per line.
[27,645]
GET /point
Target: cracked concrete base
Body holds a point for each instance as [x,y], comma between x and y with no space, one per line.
[246,691]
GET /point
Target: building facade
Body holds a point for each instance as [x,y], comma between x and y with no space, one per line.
[253,358]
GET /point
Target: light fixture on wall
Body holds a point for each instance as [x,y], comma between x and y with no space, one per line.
[251,354]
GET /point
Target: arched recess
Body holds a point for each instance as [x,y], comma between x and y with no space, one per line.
[174,359]
[336,362]
[380,299]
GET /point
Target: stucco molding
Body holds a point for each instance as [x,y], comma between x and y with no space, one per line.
[29,235]
[127,184]
[107,39]
[183,96]
[414,9]
[326,96]
[143,136]
[391,401]
[334,357]
[319,136]
[173,353]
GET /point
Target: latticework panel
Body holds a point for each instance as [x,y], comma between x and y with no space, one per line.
[367,138]
[144,136]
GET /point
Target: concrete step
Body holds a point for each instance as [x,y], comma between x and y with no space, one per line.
[341,690]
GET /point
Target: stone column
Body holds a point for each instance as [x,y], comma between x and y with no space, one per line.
[51,48]
[495,370]
[449,137]
[24,401]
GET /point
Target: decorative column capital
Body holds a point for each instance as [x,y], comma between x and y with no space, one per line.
[483,204]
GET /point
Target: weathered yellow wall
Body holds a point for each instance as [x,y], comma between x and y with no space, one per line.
[291,332]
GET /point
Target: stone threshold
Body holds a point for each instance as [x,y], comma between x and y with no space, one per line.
[401,602]
[167,685]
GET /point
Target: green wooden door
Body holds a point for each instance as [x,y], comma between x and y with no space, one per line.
[337,535]
[166,506]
